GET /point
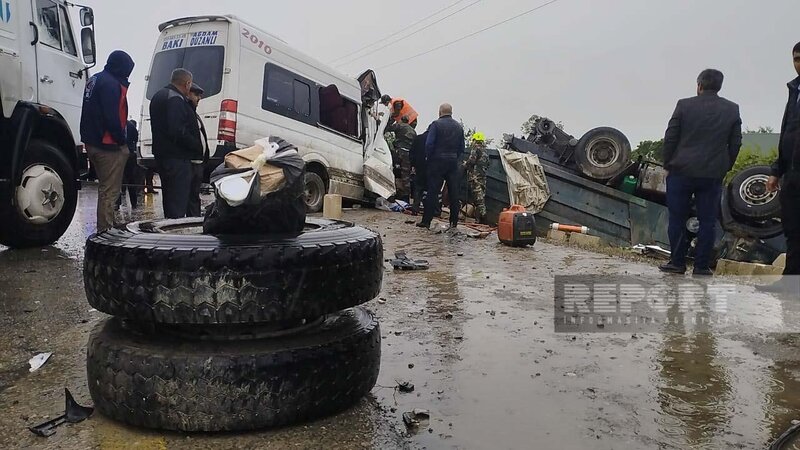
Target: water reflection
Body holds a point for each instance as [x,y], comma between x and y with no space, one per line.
[783,401]
[694,390]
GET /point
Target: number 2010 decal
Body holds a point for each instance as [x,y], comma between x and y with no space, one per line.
[256,41]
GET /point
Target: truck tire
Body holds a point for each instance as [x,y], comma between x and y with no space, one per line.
[749,195]
[315,192]
[149,380]
[742,226]
[40,209]
[602,153]
[166,272]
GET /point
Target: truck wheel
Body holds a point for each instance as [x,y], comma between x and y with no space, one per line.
[602,153]
[40,209]
[167,272]
[749,195]
[742,226]
[156,381]
[315,192]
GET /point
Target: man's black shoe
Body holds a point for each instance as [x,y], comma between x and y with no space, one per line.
[671,268]
[424,225]
[702,272]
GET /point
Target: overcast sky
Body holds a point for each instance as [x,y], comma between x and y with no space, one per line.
[588,63]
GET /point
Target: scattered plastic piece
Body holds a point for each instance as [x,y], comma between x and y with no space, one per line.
[403,262]
[38,361]
[414,418]
[73,413]
[405,387]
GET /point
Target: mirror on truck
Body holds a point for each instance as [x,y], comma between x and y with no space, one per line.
[87,17]
[87,43]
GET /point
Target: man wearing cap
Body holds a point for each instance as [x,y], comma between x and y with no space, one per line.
[198,165]
[476,165]
[399,108]
[177,141]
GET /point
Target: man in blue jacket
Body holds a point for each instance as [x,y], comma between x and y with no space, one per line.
[177,141]
[443,148]
[103,130]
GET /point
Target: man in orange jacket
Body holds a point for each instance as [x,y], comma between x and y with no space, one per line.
[400,108]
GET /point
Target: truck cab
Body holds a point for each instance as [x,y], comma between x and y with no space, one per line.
[46,50]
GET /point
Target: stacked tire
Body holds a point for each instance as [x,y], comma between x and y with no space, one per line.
[223,333]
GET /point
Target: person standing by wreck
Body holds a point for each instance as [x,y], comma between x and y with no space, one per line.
[701,145]
[786,178]
[475,166]
[444,146]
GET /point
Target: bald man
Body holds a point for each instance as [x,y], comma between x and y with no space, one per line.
[443,149]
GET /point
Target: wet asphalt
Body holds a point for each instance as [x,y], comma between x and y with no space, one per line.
[474,334]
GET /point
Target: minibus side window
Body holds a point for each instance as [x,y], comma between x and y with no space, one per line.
[289,95]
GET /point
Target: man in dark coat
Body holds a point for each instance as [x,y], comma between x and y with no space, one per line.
[198,165]
[419,166]
[443,148]
[786,177]
[103,130]
[176,142]
[701,145]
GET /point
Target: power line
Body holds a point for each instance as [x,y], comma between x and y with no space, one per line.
[410,34]
[397,32]
[467,36]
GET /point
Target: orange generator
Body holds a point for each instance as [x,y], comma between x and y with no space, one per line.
[516,227]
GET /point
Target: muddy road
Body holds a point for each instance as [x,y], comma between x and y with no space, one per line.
[474,334]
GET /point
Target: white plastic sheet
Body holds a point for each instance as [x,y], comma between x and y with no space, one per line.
[527,183]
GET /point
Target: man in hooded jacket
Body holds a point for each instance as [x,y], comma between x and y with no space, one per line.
[104,120]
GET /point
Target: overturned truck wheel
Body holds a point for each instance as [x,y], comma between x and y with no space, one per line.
[155,381]
[166,272]
[603,153]
[750,196]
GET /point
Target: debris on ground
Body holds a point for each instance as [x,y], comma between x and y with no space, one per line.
[787,438]
[73,413]
[414,419]
[38,361]
[654,250]
[395,206]
[403,262]
[405,387]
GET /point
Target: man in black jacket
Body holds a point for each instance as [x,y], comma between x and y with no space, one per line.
[701,145]
[786,172]
[443,149]
[198,165]
[176,142]
[419,166]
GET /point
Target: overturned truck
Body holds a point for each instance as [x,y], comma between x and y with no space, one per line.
[595,182]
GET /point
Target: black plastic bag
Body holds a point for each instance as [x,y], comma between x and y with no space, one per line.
[279,212]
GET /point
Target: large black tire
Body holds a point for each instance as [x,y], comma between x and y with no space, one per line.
[749,195]
[315,192]
[163,276]
[146,380]
[16,228]
[741,226]
[602,153]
